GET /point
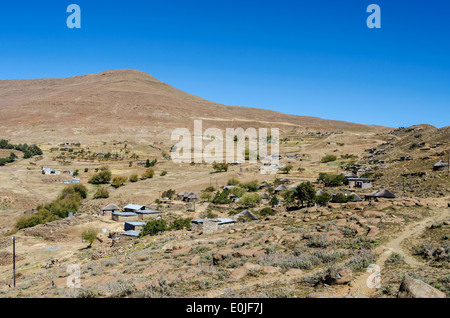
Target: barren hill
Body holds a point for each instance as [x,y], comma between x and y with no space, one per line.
[127,103]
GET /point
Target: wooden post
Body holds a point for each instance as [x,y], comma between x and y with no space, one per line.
[14,260]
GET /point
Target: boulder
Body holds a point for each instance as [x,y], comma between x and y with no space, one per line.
[415,288]
[338,276]
[238,273]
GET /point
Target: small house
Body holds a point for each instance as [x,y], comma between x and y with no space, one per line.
[381,194]
[111,208]
[211,225]
[440,166]
[359,183]
[134,226]
[281,188]
[121,216]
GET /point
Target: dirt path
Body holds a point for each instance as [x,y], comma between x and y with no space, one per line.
[360,287]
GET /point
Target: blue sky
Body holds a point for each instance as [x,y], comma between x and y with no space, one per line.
[312,58]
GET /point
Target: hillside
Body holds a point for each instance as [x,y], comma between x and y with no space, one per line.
[127,103]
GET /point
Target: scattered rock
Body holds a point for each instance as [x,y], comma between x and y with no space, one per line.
[414,288]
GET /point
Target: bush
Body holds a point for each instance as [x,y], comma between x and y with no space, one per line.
[69,191]
[117,182]
[148,174]
[323,199]
[101,193]
[154,227]
[102,177]
[266,212]
[134,178]
[286,169]
[179,224]
[328,158]
[251,186]
[341,198]
[233,182]
[163,173]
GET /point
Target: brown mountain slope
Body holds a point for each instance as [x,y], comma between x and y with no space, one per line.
[127,102]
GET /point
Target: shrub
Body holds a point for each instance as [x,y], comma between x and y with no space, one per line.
[163,173]
[180,223]
[101,193]
[328,158]
[70,190]
[117,182]
[148,174]
[134,178]
[266,212]
[323,199]
[102,177]
[233,182]
[251,186]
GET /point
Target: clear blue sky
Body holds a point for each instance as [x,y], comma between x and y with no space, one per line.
[313,58]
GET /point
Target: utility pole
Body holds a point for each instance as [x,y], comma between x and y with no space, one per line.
[14,260]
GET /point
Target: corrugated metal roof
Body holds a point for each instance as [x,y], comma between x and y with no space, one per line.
[134,206]
[124,214]
[131,233]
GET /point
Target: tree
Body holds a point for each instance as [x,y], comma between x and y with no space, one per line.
[288,197]
[102,177]
[274,201]
[220,166]
[286,169]
[168,194]
[305,192]
[89,235]
[154,227]
[250,199]
[332,180]
[222,197]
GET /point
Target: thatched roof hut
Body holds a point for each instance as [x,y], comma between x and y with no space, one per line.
[381,194]
[111,208]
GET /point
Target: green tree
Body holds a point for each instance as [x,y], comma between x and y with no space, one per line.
[305,192]
[89,235]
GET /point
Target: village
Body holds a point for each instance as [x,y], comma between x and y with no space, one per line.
[205,230]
